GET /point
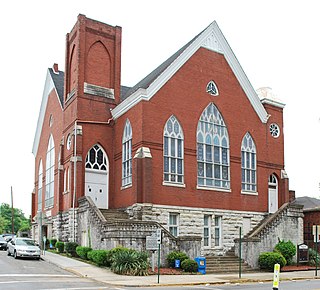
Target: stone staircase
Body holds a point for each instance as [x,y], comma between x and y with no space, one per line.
[225,264]
[114,214]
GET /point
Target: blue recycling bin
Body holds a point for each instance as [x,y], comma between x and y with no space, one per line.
[201,261]
[177,263]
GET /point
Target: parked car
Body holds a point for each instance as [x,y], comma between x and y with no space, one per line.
[3,243]
[23,247]
[8,237]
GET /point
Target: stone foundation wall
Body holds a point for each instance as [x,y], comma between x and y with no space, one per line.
[60,226]
[95,231]
[286,225]
[191,223]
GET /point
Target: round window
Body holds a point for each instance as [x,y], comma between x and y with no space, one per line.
[274,130]
[69,142]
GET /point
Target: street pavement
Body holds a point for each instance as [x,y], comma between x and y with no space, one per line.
[105,275]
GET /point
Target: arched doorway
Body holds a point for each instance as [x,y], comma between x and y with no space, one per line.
[273,193]
[97,176]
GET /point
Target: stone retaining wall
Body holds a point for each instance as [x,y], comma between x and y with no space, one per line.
[287,224]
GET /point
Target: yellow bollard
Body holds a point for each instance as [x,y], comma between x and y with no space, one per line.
[276,277]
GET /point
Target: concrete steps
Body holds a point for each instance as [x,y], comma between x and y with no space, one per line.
[114,214]
[225,264]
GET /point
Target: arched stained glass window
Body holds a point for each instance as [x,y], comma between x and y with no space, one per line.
[213,150]
[40,177]
[248,164]
[127,154]
[49,196]
[173,151]
[96,159]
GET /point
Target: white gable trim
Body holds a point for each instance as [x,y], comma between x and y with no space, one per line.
[213,39]
[46,91]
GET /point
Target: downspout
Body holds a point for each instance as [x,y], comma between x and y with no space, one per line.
[74,179]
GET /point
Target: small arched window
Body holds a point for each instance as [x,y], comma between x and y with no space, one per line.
[40,177]
[173,151]
[49,196]
[96,159]
[127,154]
[213,150]
[248,164]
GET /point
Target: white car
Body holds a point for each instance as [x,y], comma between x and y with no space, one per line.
[23,247]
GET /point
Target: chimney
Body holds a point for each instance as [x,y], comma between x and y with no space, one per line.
[55,68]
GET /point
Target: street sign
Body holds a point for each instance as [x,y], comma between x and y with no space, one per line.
[151,243]
[158,236]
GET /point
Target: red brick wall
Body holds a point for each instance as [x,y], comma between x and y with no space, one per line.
[54,109]
[184,95]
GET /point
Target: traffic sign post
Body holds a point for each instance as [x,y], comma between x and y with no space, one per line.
[159,243]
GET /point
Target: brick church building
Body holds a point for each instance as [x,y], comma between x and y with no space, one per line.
[192,148]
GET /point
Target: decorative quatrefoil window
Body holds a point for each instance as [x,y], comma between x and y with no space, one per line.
[212,89]
[274,130]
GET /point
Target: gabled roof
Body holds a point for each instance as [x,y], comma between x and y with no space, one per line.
[53,81]
[210,38]
[308,202]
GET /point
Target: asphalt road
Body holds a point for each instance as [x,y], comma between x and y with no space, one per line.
[30,274]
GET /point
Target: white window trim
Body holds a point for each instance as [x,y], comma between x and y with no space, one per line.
[173,136]
[167,183]
[213,188]
[126,155]
[249,192]
[212,116]
[174,225]
[209,230]
[220,231]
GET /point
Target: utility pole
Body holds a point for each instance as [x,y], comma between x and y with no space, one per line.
[12,213]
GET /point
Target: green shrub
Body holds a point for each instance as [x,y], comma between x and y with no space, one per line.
[130,262]
[53,242]
[176,255]
[99,257]
[60,246]
[189,265]
[90,255]
[287,249]
[82,252]
[268,259]
[113,252]
[314,257]
[70,248]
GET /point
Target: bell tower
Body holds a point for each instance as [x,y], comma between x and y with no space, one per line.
[93,62]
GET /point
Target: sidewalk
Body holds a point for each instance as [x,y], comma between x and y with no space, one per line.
[106,276]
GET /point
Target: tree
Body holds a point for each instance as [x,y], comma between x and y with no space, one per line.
[5,219]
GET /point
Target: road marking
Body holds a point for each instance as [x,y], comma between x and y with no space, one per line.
[77,288]
[36,275]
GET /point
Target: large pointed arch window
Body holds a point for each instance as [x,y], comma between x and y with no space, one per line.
[173,151]
[213,150]
[49,196]
[127,154]
[40,177]
[248,164]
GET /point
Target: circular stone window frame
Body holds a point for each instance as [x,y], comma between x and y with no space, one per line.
[69,141]
[274,130]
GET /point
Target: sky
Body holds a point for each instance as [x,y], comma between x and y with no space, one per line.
[276,42]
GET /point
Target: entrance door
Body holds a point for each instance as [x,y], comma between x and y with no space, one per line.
[97,177]
[273,193]
[97,188]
